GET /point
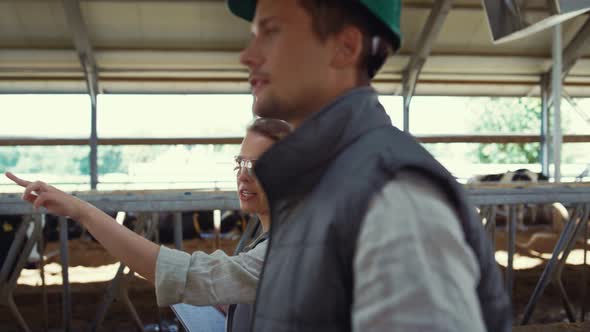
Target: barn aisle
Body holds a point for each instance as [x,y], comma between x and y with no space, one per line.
[91,267]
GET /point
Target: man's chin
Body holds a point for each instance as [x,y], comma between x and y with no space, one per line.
[260,108]
[268,108]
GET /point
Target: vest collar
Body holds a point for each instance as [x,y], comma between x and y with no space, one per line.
[296,163]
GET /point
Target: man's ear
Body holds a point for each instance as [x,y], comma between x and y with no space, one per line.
[348,47]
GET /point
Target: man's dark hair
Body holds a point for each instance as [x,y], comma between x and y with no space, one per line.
[329,17]
[274,129]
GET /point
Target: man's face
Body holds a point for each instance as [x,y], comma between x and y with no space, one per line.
[288,64]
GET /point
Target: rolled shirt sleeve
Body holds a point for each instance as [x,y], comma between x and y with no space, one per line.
[414,271]
[206,279]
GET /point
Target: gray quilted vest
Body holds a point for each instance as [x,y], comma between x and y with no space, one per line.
[319,182]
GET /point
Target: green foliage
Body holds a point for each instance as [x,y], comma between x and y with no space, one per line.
[45,159]
[84,164]
[511,153]
[67,160]
[508,116]
[110,160]
[8,158]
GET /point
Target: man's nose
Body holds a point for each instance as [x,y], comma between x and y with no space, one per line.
[250,56]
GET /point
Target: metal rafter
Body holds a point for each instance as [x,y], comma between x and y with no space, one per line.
[573,51]
[87,60]
[432,28]
[82,44]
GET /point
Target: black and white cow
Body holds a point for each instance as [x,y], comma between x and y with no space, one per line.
[520,175]
[527,214]
[200,224]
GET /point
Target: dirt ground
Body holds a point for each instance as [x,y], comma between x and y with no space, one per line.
[91,269]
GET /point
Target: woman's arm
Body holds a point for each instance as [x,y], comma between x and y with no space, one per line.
[138,253]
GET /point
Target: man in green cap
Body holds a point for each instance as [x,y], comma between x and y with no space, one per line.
[369,232]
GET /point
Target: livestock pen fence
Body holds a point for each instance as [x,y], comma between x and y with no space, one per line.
[490,200]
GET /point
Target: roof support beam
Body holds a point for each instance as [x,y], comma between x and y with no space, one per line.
[88,62]
[545,125]
[438,14]
[572,52]
[557,87]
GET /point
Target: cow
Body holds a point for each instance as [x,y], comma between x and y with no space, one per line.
[520,175]
[200,224]
[526,213]
[555,215]
[9,225]
[232,223]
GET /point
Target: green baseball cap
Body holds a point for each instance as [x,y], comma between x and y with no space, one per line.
[387,12]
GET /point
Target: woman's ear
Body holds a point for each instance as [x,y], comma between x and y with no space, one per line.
[348,48]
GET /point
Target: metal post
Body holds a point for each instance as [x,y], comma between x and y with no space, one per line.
[406,114]
[512,220]
[545,136]
[93,145]
[41,246]
[583,308]
[63,240]
[178,230]
[556,89]
[75,21]
[548,271]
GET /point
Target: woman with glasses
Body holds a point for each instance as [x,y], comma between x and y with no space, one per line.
[260,136]
[197,278]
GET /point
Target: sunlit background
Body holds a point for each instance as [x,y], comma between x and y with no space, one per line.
[210,166]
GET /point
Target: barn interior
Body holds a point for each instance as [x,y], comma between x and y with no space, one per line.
[98,81]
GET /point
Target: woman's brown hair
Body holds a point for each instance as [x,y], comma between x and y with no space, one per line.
[274,129]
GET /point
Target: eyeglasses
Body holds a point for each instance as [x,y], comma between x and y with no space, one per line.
[242,163]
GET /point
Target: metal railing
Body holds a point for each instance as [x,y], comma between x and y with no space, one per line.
[488,198]
[576,196]
[176,201]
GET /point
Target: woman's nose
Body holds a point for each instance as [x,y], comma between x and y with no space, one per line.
[243,174]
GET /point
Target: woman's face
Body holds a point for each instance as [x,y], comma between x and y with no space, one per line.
[252,197]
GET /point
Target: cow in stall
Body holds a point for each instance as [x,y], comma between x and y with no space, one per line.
[195,224]
[527,214]
[554,215]
[200,224]
[520,175]
[9,225]
[232,223]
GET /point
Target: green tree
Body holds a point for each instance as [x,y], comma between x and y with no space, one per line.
[49,159]
[508,116]
[111,160]
[83,164]
[8,158]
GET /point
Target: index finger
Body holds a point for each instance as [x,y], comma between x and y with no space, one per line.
[17,180]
